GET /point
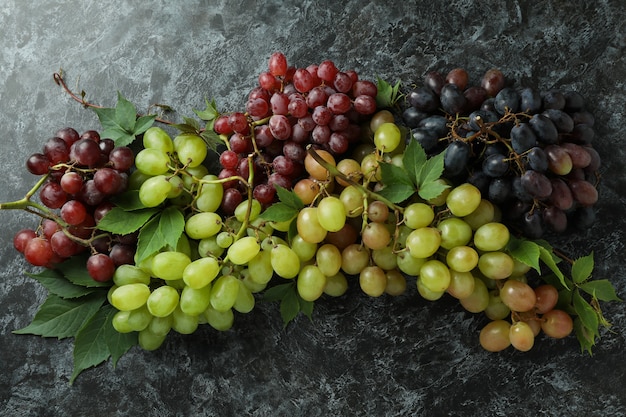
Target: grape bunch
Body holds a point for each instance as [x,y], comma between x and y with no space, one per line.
[528,151]
[80,176]
[289,109]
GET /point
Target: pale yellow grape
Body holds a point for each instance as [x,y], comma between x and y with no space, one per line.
[331,214]
[305,250]
[243,250]
[454,232]
[417,215]
[210,195]
[129,297]
[177,186]
[310,283]
[120,322]
[154,190]
[463,200]
[496,309]
[484,213]
[209,247]
[155,137]
[328,259]
[408,264]
[491,237]
[462,258]
[285,261]
[260,268]
[139,318]
[224,292]
[203,225]
[152,161]
[191,149]
[184,323]
[385,258]
[170,265]
[496,265]
[242,210]
[219,320]
[129,274]
[195,301]
[201,272]
[163,301]
[309,227]
[336,285]
[244,303]
[423,242]
[426,293]
[373,281]
[435,275]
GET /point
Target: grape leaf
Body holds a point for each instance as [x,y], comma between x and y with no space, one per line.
[276,292]
[128,201]
[118,343]
[125,113]
[210,112]
[124,222]
[289,197]
[120,123]
[143,123]
[582,268]
[279,212]
[413,159]
[432,190]
[289,306]
[75,270]
[588,316]
[524,251]
[90,343]
[546,256]
[306,307]
[602,289]
[56,284]
[150,240]
[61,318]
[584,336]
[387,95]
[212,139]
[171,225]
[431,169]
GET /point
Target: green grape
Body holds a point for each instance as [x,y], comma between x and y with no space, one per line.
[191,149]
[496,308]
[370,167]
[461,284]
[387,137]
[310,283]
[309,227]
[454,232]
[160,326]
[331,214]
[170,265]
[491,237]
[163,301]
[154,191]
[484,213]
[282,226]
[194,301]
[209,248]
[177,187]
[435,275]
[120,322]
[139,318]
[408,264]
[478,300]
[385,258]
[243,250]
[224,292]
[253,286]
[224,239]
[305,250]
[260,268]
[328,259]
[130,296]
[426,293]
[285,261]
[184,323]
[521,336]
[463,199]
[210,195]
[219,320]
[136,178]
[354,258]
[495,265]
[418,215]
[423,242]
[157,138]
[373,281]
[352,199]
[336,285]
[242,209]
[146,264]
[152,161]
[462,258]
[244,303]
[494,337]
[269,242]
[403,232]
[396,283]
[150,341]
[203,225]
[201,272]
[130,274]
[182,246]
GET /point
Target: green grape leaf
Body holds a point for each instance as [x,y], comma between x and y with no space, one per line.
[150,240]
[128,201]
[75,270]
[431,190]
[125,113]
[121,123]
[186,128]
[288,197]
[548,258]
[59,317]
[56,284]
[582,268]
[172,225]
[306,307]
[387,95]
[212,139]
[277,292]
[413,159]
[143,123]
[118,343]
[90,344]
[584,336]
[525,251]
[279,212]
[586,313]
[124,222]
[289,306]
[432,169]
[602,289]
[210,112]
[398,186]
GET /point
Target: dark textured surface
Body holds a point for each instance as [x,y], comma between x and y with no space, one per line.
[360,356]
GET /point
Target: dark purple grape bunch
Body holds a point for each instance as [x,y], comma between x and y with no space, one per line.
[84,172]
[291,108]
[529,151]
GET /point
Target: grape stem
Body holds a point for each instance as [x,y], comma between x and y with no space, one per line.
[336,173]
[30,206]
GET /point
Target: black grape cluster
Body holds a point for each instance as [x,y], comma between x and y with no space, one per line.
[83,172]
[528,151]
[289,109]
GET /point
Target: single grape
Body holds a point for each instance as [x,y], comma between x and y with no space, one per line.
[243,250]
[496,265]
[130,297]
[521,336]
[518,296]
[373,281]
[311,283]
[557,324]
[285,261]
[423,242]
[331,213]
[169,265]
[463,199]
[478,300]
[435,275]
[224,293]
[494,337]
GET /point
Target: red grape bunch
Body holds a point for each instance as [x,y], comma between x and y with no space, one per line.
[80,175]
[528,151]
[289,109]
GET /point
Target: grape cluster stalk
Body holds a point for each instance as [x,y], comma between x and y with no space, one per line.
[299,202]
